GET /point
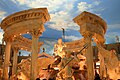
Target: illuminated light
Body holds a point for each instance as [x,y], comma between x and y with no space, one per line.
[73,51]
[56,68]
[97,63]
[27,32]
[14,35]
[96,39]
[97,67]
[20,34]
[55,59]
[97,71]
[21,48]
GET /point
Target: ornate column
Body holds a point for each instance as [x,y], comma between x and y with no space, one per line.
[7,60]
[89,57]
[17,26]
[34,68]
[15,59]
[91,26]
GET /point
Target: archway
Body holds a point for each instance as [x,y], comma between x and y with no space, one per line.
[28,21]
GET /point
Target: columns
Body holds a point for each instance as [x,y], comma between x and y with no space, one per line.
[15,59]
[6,60]
[89,57]
[34,55]
[91,25]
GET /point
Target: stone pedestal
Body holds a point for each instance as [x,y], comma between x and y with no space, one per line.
[6,61]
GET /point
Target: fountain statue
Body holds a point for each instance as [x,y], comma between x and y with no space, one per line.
[66,68]
[58,48]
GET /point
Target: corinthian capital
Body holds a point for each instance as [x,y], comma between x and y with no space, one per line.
[8,39]
[16,49]
[36,33]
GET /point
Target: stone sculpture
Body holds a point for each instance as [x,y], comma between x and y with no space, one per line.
[58,48]
[111,62]
[66,68]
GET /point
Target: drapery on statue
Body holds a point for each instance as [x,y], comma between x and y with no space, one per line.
[66,70]
[67,63]
[111,62]
[58,48]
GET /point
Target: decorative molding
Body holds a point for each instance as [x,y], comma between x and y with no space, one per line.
[74,45]
[86,17]
[24,43]
[36,33]
[91,24]
[39,13]
[20,23]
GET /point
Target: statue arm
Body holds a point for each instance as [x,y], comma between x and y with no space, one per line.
[55,49]
[64,45]
[55,46]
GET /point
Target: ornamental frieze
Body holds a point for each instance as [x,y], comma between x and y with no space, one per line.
[23,17]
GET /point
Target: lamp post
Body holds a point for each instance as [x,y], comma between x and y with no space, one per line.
[63,34]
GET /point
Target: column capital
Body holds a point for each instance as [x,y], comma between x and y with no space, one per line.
[16,49]
[36,33]
[7,39]
[87,34]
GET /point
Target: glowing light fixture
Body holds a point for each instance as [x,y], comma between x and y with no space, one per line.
[14,35]
[27,32]
[56,68]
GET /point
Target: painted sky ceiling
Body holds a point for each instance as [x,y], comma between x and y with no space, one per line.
[62,12]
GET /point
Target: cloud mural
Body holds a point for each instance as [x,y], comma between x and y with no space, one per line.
[62,12]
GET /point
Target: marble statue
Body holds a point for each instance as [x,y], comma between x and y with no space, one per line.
[66,67]
[58,48]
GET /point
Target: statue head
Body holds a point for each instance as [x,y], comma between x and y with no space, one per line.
[60,41]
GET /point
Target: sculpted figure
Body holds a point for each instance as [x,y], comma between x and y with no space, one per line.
[24,68]
[58,48]
[111,61]
[66,67]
